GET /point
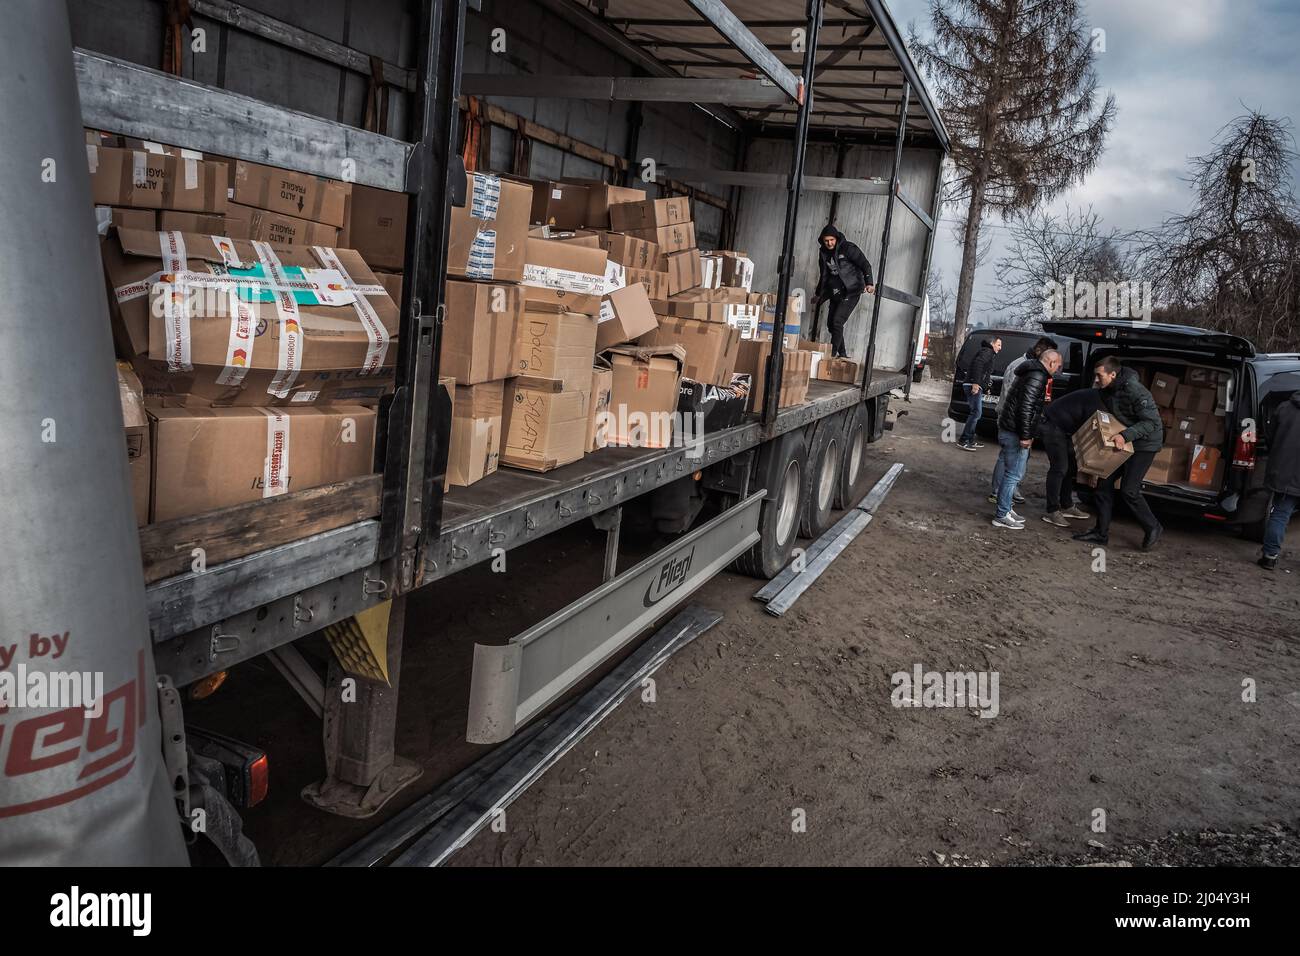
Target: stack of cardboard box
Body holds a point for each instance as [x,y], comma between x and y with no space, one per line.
[251,357]
[1193,403]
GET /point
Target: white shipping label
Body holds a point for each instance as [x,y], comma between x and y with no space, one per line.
[92,158]
[329,286]
[275,470]
[557,194]
[606,311]
[305,397]
[565,280]
[191,174]
[139,168]
[615,277]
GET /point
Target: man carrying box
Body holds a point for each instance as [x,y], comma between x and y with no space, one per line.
[844,274]
[1282,477]
[1123,396]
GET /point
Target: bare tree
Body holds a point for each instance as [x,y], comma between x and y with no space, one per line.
[1231,262]
[1063,250]
[1018,93]
[940,296]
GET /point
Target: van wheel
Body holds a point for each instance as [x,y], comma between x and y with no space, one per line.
[778,522]
[853,458]
[823,477]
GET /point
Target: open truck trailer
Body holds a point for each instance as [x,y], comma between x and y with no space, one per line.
[774,116]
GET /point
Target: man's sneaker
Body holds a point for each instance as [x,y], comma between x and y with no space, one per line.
[965,447]
[1265,562]
[1016,517]
[1017,497]
[976,444]
[1057,518]
[1008,522]
[1074,511]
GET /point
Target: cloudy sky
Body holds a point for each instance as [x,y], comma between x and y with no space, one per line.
[1180,70]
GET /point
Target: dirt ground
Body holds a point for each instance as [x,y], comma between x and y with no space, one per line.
[1118,690]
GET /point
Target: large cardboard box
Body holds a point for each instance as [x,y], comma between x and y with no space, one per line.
[837,370]
[602,382]
[676,237]
[1164,388]
[630,251]
[711,348]
[1169,467]
[280,230]
[558,205]
[136,424]
[126,177]
[488,234]
[480,330]
[205,223]
[249,325]
[1207,467]
[124,217]
[649,214]
[1216,432]
[544,427]
[375,226]
[685,271]
[600,196]
[643,395]
[475,446]
[1189,428]
[208,458]
[625,315]
[300,195]
[1093,448]
[656,283]
[554,343]
[564,274]
[737,270]
[1194,399]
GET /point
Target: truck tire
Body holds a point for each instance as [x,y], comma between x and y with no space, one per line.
[853,460]
[778,522]
[823,477]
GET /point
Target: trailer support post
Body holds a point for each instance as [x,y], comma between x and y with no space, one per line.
[776,361]
[925,276]
[870,370]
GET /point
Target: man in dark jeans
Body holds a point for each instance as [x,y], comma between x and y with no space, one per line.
[979,379]
[1282,477]
[1063,418]
[1124,397]
[843,275]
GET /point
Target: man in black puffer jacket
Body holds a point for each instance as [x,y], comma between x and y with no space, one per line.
[979,379]
[1123,395]
[1282,477]
[843,275]
[1022,408]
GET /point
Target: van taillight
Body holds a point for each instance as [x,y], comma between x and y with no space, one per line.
[1243,453]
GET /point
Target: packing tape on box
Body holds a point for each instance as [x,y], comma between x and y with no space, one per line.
[275,469]
[239,349]
[484,201]
[92,158]
[191,174]
[289,360]
[176,309]
[139,168]
[376,334]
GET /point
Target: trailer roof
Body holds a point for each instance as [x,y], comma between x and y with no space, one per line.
[862,60]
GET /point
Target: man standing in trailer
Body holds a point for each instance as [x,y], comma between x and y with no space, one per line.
[843,275]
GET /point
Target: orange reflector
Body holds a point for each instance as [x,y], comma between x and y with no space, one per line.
[208,686]
[698,475]
[259,780]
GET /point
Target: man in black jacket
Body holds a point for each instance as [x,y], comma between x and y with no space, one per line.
[1022,408]
[1123,395]
[1063,418]
[979,379]
[843,275]
[1282,477]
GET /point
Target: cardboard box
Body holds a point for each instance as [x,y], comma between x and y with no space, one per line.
[544,427]
[559,205]
[602,382]
[630,251]
[643,395]
[1205,470]
[208,458]
[649,214]
[392,283]
[711,347]
[710,271]
[125,217]
[1190,424]
[1216,431]
[554,343]
[737,271]
[479,331]
[1168,416]
[710,408]
[299,195]
[685,271]
[1169,466]
[207,224]
[374,224]
[126,177]
[1193,399]
[795,374]
[656,283]
[475,446]
[625,315]
[1204,377]
[280,230]
[136,425]
[837,370]
[676,237]
[488,234]
[194,185]
[600,196]
[334,341]
[1164,388]
[564,274]
[1093,448]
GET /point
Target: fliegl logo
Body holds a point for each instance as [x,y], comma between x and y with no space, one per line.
[672,574]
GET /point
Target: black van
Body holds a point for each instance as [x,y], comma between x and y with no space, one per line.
[1251,385]
[1015,343]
